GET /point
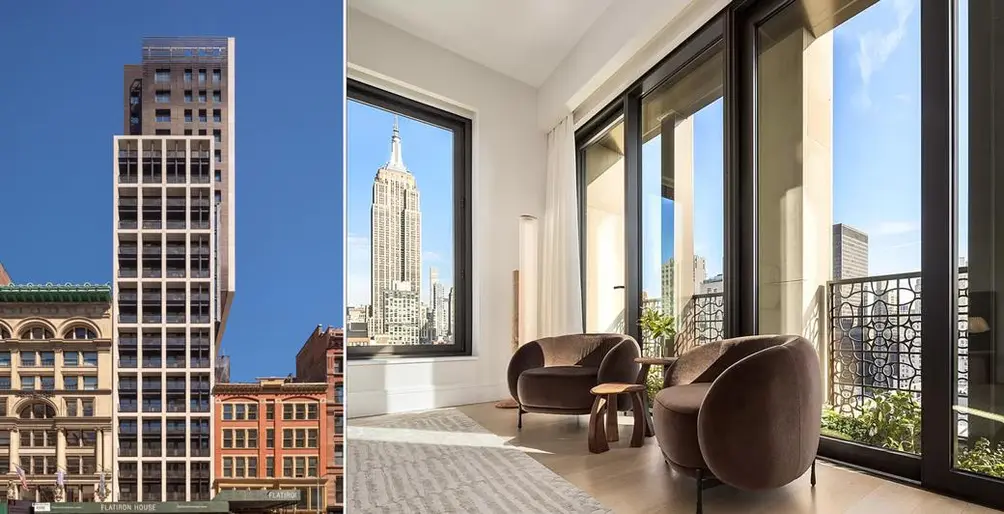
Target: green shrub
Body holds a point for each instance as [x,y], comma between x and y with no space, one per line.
[890,420]
[653,383]
[982,458]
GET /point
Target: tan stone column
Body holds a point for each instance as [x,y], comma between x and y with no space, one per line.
[99,450]
[795,161]
[15,449]
[682,156]
[61,448]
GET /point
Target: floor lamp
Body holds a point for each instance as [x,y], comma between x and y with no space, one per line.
[524,317]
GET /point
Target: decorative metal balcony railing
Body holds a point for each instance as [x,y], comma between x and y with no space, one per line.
[876,336]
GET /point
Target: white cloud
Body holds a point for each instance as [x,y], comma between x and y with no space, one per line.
[430,256]
[876,46]
[357,278]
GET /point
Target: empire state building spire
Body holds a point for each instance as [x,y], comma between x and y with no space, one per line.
[396,163]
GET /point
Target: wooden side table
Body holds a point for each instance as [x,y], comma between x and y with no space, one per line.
[646,364]
[606,401]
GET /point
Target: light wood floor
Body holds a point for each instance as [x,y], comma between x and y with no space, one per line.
[637,480]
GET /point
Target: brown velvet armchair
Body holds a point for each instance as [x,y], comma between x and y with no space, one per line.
[553,375]
[743,411]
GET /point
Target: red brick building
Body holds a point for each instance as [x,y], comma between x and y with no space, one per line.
[322,360]
[274,434]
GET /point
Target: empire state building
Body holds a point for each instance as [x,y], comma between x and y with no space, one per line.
[396,250]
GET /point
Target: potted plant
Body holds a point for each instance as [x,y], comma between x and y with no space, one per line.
[659,328]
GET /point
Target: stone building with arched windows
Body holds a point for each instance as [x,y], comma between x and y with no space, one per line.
[55,391]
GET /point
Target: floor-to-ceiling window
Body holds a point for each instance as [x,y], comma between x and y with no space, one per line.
[828,158]
[602,182]
[682,215]
[838,177]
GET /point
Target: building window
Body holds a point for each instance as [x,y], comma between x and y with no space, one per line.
[217,135]
[49,383]
[270,411]
[217,115]
[27,383]
[90,383]
[188,96]
[162,96]
[409,306]
[219,176]
[4,383]
[270,438]
[36,333]
[218,155]
[287,411]
[188,75]
[287,467]
[90,359]
[188,132]
[202,76]
[287,438]
[217,75]
[162,132]
[228,438]
[81,333]
[202,116]
[202,96]
[202,132]
[4,359]
[217,96]
[270,467]
[228,467]
[134,98]
[162,76]
[71,359]
[162,115]
[228,412]
[188,116]
[71,383]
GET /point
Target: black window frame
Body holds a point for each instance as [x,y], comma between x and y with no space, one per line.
[463,144]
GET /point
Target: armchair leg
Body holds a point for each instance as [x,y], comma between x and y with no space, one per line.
[700,490]
[812,475]
[519,418]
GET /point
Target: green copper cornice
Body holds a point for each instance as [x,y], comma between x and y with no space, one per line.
[56,293]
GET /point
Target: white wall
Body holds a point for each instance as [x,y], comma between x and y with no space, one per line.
[509,162]
[626,41]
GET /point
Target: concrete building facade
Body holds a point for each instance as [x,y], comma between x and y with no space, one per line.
[850,252]
[166,317]
[271,435]
[56,391]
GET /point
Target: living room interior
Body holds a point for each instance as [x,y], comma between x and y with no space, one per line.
[687,241]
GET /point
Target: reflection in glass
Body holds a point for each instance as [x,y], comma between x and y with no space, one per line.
[979,397]
[683,229]
[838,185]
[604,232]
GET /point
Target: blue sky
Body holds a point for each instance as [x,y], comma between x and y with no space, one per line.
[63,103]
[427,152]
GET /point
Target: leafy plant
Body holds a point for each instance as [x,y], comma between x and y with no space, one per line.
[653,382]
[657,326]
[890,420]
[983,458]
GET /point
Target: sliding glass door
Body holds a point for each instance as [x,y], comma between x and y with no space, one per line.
[601,162]
[838,196]
[682,221]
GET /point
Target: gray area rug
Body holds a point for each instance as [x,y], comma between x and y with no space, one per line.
[442,461]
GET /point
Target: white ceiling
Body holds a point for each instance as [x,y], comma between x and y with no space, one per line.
[523,39]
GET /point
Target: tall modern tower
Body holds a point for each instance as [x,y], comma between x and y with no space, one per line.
[396,252]
[173,264]
[850,252]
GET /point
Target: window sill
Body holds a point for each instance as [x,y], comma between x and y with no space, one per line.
[408,360]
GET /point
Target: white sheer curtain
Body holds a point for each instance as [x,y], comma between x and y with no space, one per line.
[560,304]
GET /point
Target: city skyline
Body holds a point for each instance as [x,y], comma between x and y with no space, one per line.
[368,146]
[408,302]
